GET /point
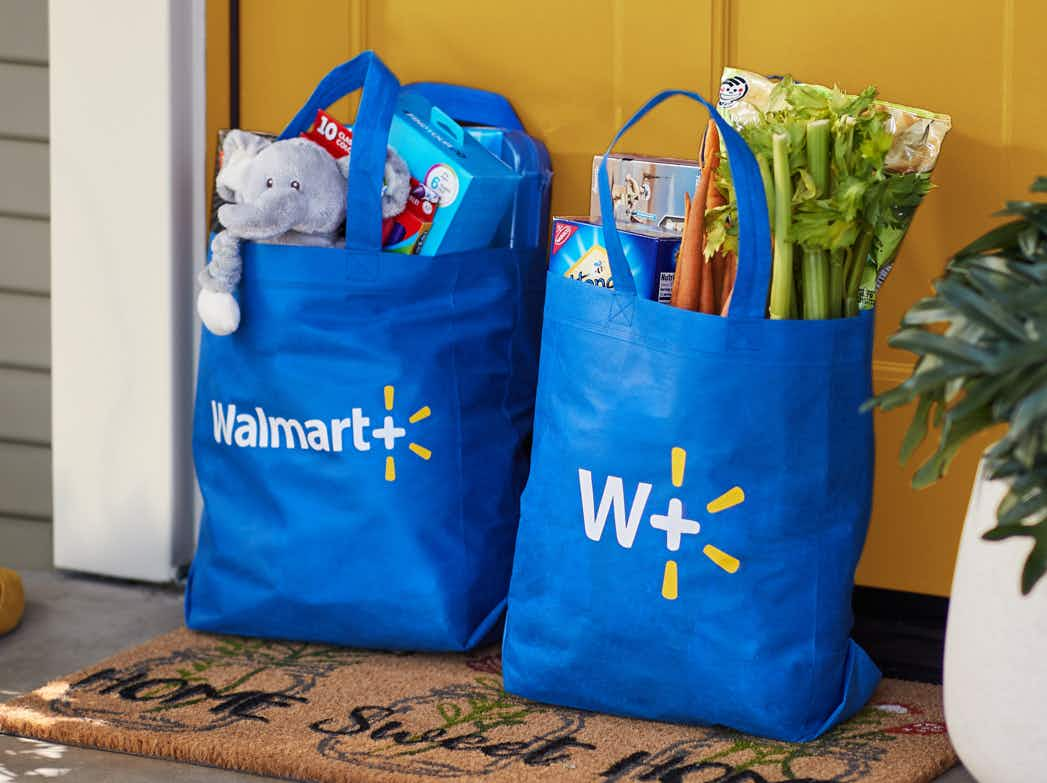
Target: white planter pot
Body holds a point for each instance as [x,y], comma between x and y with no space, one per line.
[996,652]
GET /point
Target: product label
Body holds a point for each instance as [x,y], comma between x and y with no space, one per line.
[330,134]
[665,286]
[592,268]
[442,180]
[732,90]
[561,234]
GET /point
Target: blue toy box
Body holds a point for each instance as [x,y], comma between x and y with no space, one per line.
[578,252]
[476,189]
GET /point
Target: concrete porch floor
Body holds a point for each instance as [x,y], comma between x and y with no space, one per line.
[73,621]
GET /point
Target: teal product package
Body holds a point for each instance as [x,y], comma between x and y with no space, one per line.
[578,252]
[475,188]
[490,119]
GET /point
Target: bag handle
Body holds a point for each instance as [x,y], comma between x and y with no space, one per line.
[470,104]
[752,284]
[363,200]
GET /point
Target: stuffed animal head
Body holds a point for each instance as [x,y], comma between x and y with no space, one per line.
[279,186]
[276,187]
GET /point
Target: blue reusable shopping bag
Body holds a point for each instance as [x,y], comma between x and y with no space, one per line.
[361,440]
[698,500]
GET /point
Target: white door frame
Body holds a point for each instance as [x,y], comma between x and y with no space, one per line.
[128,86]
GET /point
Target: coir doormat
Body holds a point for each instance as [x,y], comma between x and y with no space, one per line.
[319,713]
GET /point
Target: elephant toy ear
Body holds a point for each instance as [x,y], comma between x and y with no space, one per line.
[343,165]
[396,185]
[238,150]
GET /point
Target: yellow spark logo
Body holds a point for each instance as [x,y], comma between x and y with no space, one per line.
[390,432]
[674,522]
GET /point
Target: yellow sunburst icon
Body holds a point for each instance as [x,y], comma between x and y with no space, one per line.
[732,497]
[390,430]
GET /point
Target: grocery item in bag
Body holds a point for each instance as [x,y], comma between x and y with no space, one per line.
[474,188]
[916,140]
[527,224]
[491,119]
[578,252]
[647,191]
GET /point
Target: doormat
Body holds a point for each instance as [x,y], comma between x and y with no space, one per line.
[320,713]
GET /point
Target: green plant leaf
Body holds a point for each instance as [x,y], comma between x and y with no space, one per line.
[917,431]
[922,342]
[1017,514]
[929,310]
[979,393]
[1000,237]
[1003,532]
[1028,419]
[954,435]
[1035,566]
[980,308]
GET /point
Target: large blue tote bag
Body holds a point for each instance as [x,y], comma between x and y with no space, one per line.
[698,500]
[360,441]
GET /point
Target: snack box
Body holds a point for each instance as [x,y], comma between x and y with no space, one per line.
[475,189]
[646,191]
[578,252]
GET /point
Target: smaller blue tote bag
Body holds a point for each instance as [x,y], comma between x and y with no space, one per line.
[698,500]
[361,440]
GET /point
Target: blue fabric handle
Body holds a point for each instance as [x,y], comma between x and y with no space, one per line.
[470,104]
[363,201]
[753,282]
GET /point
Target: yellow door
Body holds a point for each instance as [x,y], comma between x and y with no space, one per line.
[576,70]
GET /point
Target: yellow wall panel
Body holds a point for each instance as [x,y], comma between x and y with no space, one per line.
[285,49]
[1024,151]
[217,69]
[575,71]
[553,78]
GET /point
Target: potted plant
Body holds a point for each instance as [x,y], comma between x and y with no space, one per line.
[986,367]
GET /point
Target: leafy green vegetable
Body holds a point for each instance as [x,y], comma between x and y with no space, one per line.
[822,156]
[988,367]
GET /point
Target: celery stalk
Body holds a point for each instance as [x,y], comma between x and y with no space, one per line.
[768,184]
[782,268]
[856,266]
[815,268]
[815,283]
[837,281]
[818,155]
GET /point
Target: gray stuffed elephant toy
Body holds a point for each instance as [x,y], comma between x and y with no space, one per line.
[283,192]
